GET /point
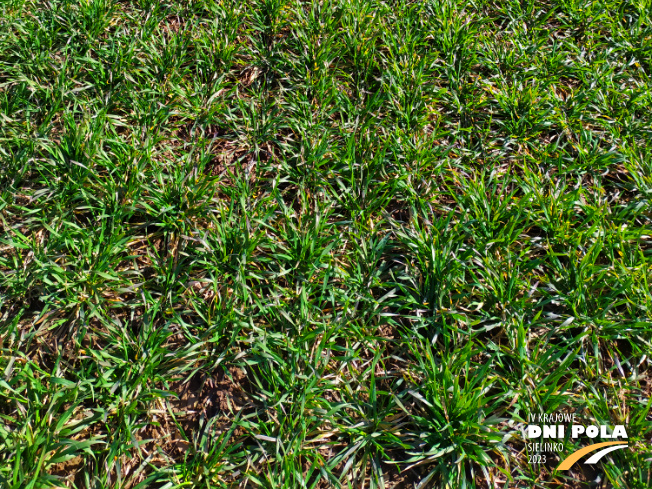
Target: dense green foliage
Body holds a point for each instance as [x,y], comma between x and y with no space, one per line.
[322,244]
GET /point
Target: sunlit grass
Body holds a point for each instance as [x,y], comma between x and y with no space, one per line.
[326,244]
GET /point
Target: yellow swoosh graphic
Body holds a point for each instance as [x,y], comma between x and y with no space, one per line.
[574,457]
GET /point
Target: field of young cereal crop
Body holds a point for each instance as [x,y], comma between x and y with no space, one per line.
[324,244]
